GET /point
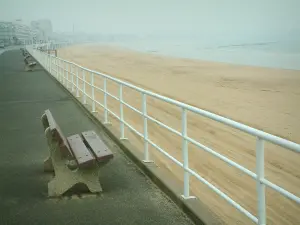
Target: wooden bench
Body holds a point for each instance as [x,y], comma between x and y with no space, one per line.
[75,159]
[29,63]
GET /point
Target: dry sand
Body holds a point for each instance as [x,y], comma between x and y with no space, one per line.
[268,99]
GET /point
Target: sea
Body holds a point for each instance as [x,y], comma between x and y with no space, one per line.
[272,54]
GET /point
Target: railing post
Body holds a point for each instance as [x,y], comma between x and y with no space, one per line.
[146,144]
[67,71]
[185,156]
[260,187]
[105,101]
[93,93]
[47,62]
[77,86]
[50,66]
[121,112]
[63,65]
[56,69]
[84,92]
[61,72]
[72,74]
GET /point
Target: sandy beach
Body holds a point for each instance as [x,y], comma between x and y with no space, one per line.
[264,98]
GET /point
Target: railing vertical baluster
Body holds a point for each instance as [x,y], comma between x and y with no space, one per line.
[61,71]
[67,70]
[185,156]
[48,62]
[72,74]
[55,64]
[121,112]
[105,101]
[146,144]
[260,187]
[93,93]
[63,67]
[77,86]
[84,84]
[57,69]
[50,67]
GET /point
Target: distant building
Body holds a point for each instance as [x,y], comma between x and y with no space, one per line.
[16,32]
[6,32]
[44,27]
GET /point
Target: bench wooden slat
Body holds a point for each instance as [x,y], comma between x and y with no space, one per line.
[100,150]
[82,155]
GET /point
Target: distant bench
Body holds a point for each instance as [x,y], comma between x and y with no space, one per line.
[75,159]
[28,60]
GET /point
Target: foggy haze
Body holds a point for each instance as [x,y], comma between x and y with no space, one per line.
[236,20]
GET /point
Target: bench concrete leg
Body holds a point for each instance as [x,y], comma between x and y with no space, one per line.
[58,186]
[91,179]
[65,179]
[27,68]
[48,166]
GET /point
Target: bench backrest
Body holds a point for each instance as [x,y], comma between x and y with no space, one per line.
[58,135]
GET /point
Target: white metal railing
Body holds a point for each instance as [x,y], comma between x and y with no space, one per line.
[54,66]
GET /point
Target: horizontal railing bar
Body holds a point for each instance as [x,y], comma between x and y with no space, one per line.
[88,83]
[165,153]
[97,88]
[111,112]
[81,79]
[223,195]
[258,133]
[154,145]
[281,191]
[132,108]
[99,103]
[88,96]
[80,89]
[111,95]
[223,158]
[163,125]
[133,129]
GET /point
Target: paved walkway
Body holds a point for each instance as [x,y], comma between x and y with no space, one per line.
[129,197]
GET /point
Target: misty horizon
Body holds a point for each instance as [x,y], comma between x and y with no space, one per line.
[232,20]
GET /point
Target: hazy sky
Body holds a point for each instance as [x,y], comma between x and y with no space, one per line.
[265,19]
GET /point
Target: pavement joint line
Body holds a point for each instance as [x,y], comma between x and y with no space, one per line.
[35,101]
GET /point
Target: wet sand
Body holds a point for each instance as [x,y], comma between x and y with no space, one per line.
[267,99]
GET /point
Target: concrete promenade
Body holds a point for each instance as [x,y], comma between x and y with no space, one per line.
[129,197]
